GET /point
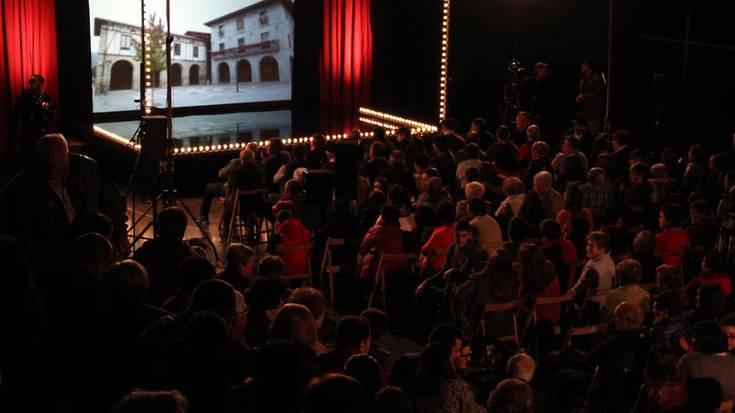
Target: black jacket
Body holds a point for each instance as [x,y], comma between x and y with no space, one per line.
[32,212]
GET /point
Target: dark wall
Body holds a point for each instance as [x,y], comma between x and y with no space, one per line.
[485,35]
[308,40]
[406,47]
[75,68]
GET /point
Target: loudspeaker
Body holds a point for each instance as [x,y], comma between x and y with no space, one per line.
[318,194]
[318,185]
[153,142]
[347,162]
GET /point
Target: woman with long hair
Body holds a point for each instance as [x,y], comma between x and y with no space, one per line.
[538,279]
[437,388]
[496,283]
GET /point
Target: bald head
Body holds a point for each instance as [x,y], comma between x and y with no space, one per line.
[521,366]
[52,152]
[542,182]
[628,316]
[247,156]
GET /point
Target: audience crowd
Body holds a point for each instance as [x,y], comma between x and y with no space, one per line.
[538,274]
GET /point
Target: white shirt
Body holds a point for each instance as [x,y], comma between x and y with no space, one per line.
[515,202]
[489,235]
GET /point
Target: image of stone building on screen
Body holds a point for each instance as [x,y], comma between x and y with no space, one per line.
[246,57]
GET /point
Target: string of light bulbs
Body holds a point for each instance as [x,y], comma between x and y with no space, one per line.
[444,67]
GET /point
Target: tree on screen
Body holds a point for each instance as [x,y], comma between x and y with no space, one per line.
[156,42]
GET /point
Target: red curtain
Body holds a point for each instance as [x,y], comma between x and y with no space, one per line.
[345,63]
[27,46]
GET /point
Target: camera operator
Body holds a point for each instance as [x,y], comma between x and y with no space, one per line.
[34,111]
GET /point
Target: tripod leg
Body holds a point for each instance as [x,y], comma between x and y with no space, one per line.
[177,198]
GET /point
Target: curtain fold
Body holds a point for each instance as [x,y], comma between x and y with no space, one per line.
[345,63]
[27,46]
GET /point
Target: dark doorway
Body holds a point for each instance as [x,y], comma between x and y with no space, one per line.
[194,75]
[224,73]
[175,76]
[244,72]
[121,75]
[268,69]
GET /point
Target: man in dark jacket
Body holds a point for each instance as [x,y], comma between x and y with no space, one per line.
[397,174]
[39,204]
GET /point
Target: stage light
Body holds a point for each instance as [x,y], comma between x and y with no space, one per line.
[444,54]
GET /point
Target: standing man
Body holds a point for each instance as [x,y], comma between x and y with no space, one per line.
[535,93]
[591,97]
[34,110]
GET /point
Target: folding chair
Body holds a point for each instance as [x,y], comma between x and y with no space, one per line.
[387,261]
[328,266]
[246,201]
[298,248]
[499,308]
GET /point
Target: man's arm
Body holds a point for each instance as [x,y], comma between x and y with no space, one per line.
[225,171]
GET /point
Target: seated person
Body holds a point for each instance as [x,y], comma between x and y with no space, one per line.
[644,247]
[193,270]
[239,270]
[538,279]
[433,252]
[397,173]
[292,199]
[637,196]
[472,160]
[487,231]
[669,322]
[385,237]
[314,300]
[497,283]
[709,358]
[39,204]
[215,189]
[673,240]
[595,194]
[353,337]
[464,258]
[511,205]
[162,255]
[473,190]
[621,358]
[560,252]
[713,272]
[627,273]
[598,254]
[551,200]
[263,299]
[291,242]
[298,160]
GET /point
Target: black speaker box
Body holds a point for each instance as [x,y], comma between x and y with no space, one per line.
[153,133]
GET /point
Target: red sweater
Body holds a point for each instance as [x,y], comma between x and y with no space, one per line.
[721,279]
[440,239]
[293,233]
[670,242]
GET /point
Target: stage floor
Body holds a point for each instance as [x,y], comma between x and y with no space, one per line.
[198,95]
[232,126]
[143,220]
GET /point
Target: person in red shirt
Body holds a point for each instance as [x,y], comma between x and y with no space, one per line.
[673,240]
[292,233]
[561,252]
[713,272]
[385,237]
[434,252]
[538,279]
